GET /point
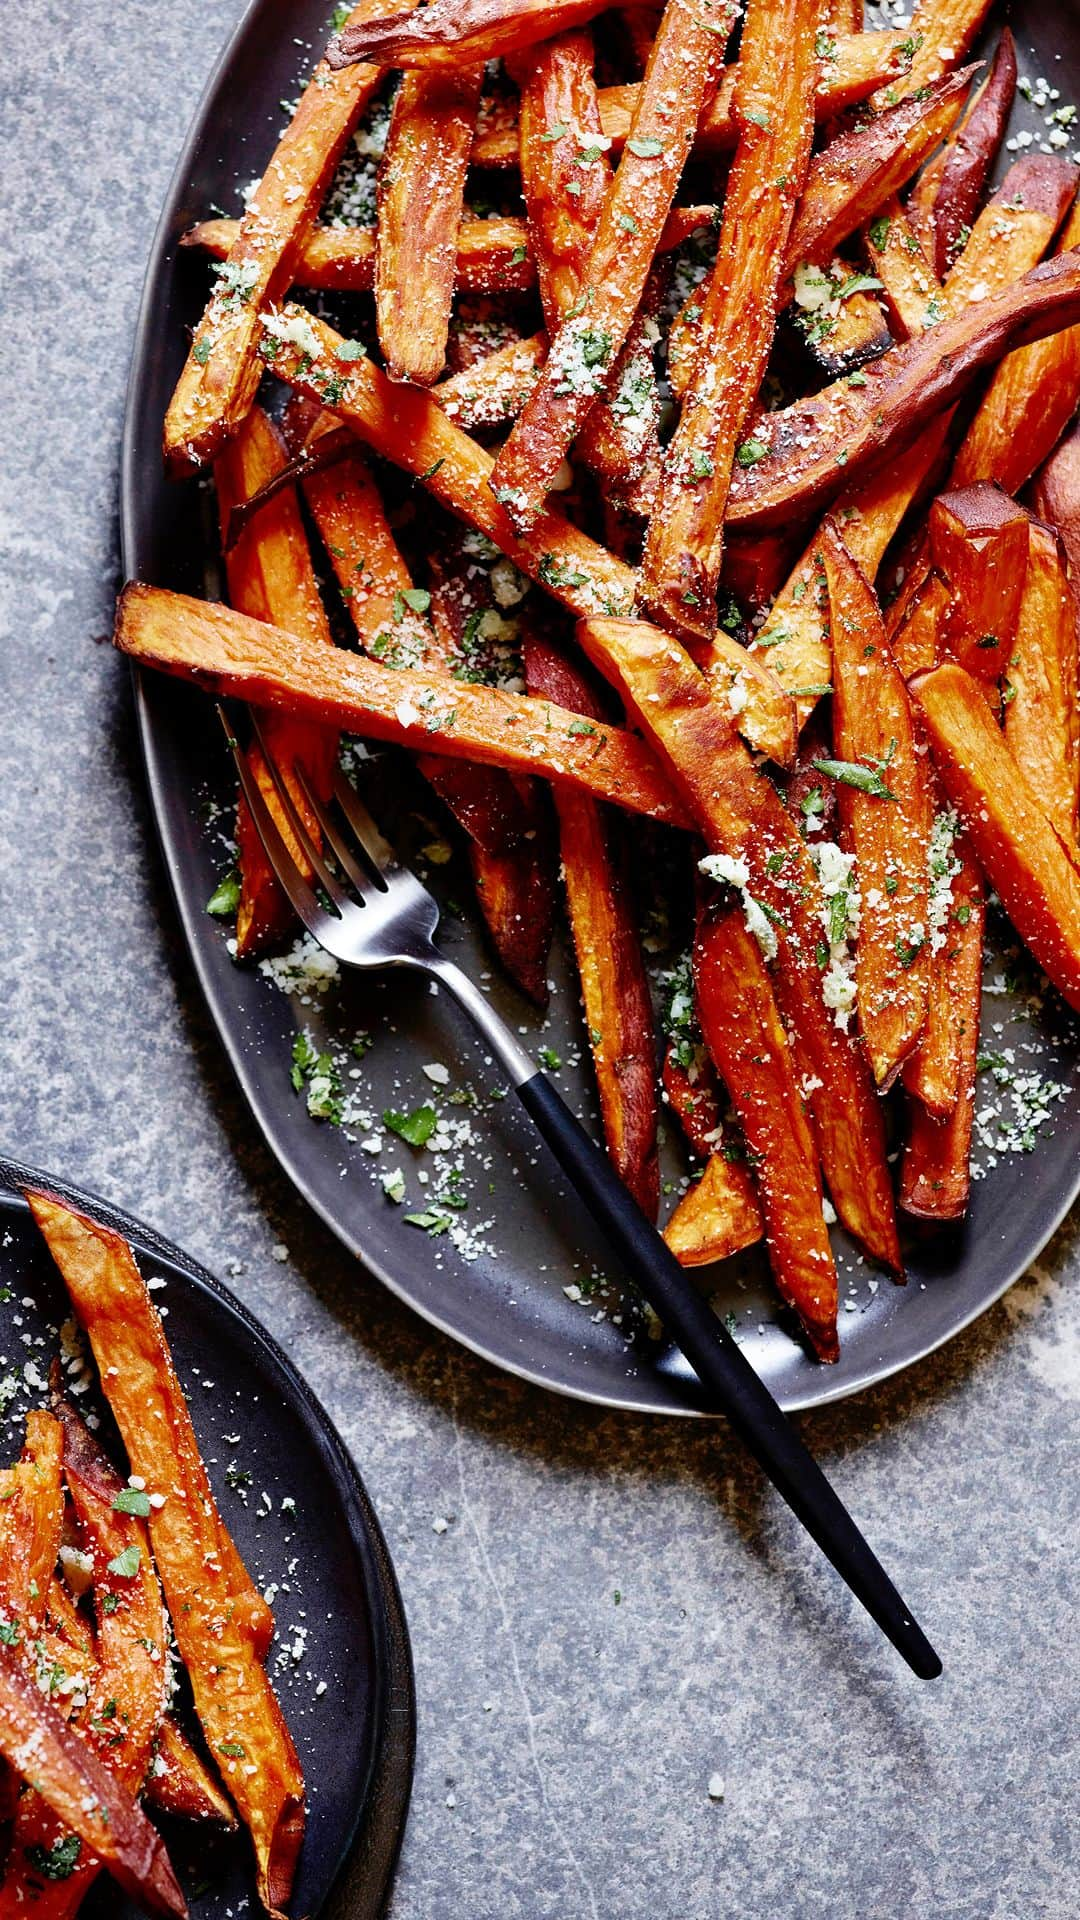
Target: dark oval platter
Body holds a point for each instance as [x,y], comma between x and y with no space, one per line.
[340,1659]
[524,1292]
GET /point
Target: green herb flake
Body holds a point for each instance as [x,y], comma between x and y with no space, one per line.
[853,774]
[416,1127]
[126,1564]
[225,898]
[132,1500]
[751,452]
[646,149]
[57,1862]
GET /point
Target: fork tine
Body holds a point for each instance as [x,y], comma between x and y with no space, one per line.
[378,850]
[292,880]
[362,877]
[311,852]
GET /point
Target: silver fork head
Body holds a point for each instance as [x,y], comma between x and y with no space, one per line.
[373,911]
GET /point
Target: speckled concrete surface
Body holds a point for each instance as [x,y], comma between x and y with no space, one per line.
[617,1610]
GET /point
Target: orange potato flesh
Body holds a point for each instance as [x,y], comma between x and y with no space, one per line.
[407,426]
[745,1037]
[683,70]
[860,62]
[222,649]
[565,178]
[127,1675]
[717,1216]
[614,984]
[1006,241]
[450,34]
[934,1073]
[935,1173]
[421,189]
[978,541]
[943,30]
[684,540]
[845,184]
[918,641]
[494,389]
[872,726]
[814,444]
[180,1782]
[859,332]
[1027,406]
[1011,834]
[82,1792]
[223,369]
[908,283]
[270,576]
[1056,496]
[1042,724]
[221,1621]
[740,815]
[948,194]
[492,255]
[694,1099]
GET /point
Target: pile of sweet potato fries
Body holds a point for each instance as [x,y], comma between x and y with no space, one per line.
[884,355]
[99,1576]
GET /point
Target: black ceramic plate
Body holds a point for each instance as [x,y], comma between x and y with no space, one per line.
[338,1612]
[509,1302]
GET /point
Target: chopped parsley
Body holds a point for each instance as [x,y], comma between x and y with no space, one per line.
[416,1127]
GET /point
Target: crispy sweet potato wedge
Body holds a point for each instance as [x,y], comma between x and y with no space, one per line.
[743,819]
[180,1782]
[717,1216]
[744,1035]
[221,1621]
[841,434]
[942,32]
[680,566]
[421,190]
[887,819]
[932,1074]
[198,640]
[935,1174]
[908,283]
[1056,495]
[450,34]
[1042,723]
[82,1792]
[494,389]
[978,542]
[614,984]
[223,369]
[683,69]
[1027,406]
[948,195]
[406,425]
[492,256]
[1012,836]
[850,66]
[270,576]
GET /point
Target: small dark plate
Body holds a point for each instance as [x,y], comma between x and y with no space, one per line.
[508,1304]
[338,1611]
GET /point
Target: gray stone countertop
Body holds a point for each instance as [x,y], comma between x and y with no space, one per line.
[618,1609]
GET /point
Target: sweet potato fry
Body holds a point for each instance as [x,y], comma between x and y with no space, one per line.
[682,71]
[680,566]
[614,984]
[845,185]
[1009,236]
[917,640]
[843,434]
[82,1792]
[947,196]
[1042,726]
[270,577]
[198,640]
[127,1672]
[180,1782]
[886,817]
[933,1074]
[1011,834]
[494,389]
[221,1621]
[565,178]
[223,369]
[717,1216]
[935,1175]
[941,32]
[421,191]
[747,1042]
[407,426]
[850,66]
[978,542]
[908,283]
[450,34]
[492,255]
[1056,494]
[1027,406]
[842,342]
[743,820]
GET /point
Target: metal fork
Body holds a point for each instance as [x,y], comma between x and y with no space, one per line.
[376,913]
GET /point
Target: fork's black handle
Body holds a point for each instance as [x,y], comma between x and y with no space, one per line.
[722,1367]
